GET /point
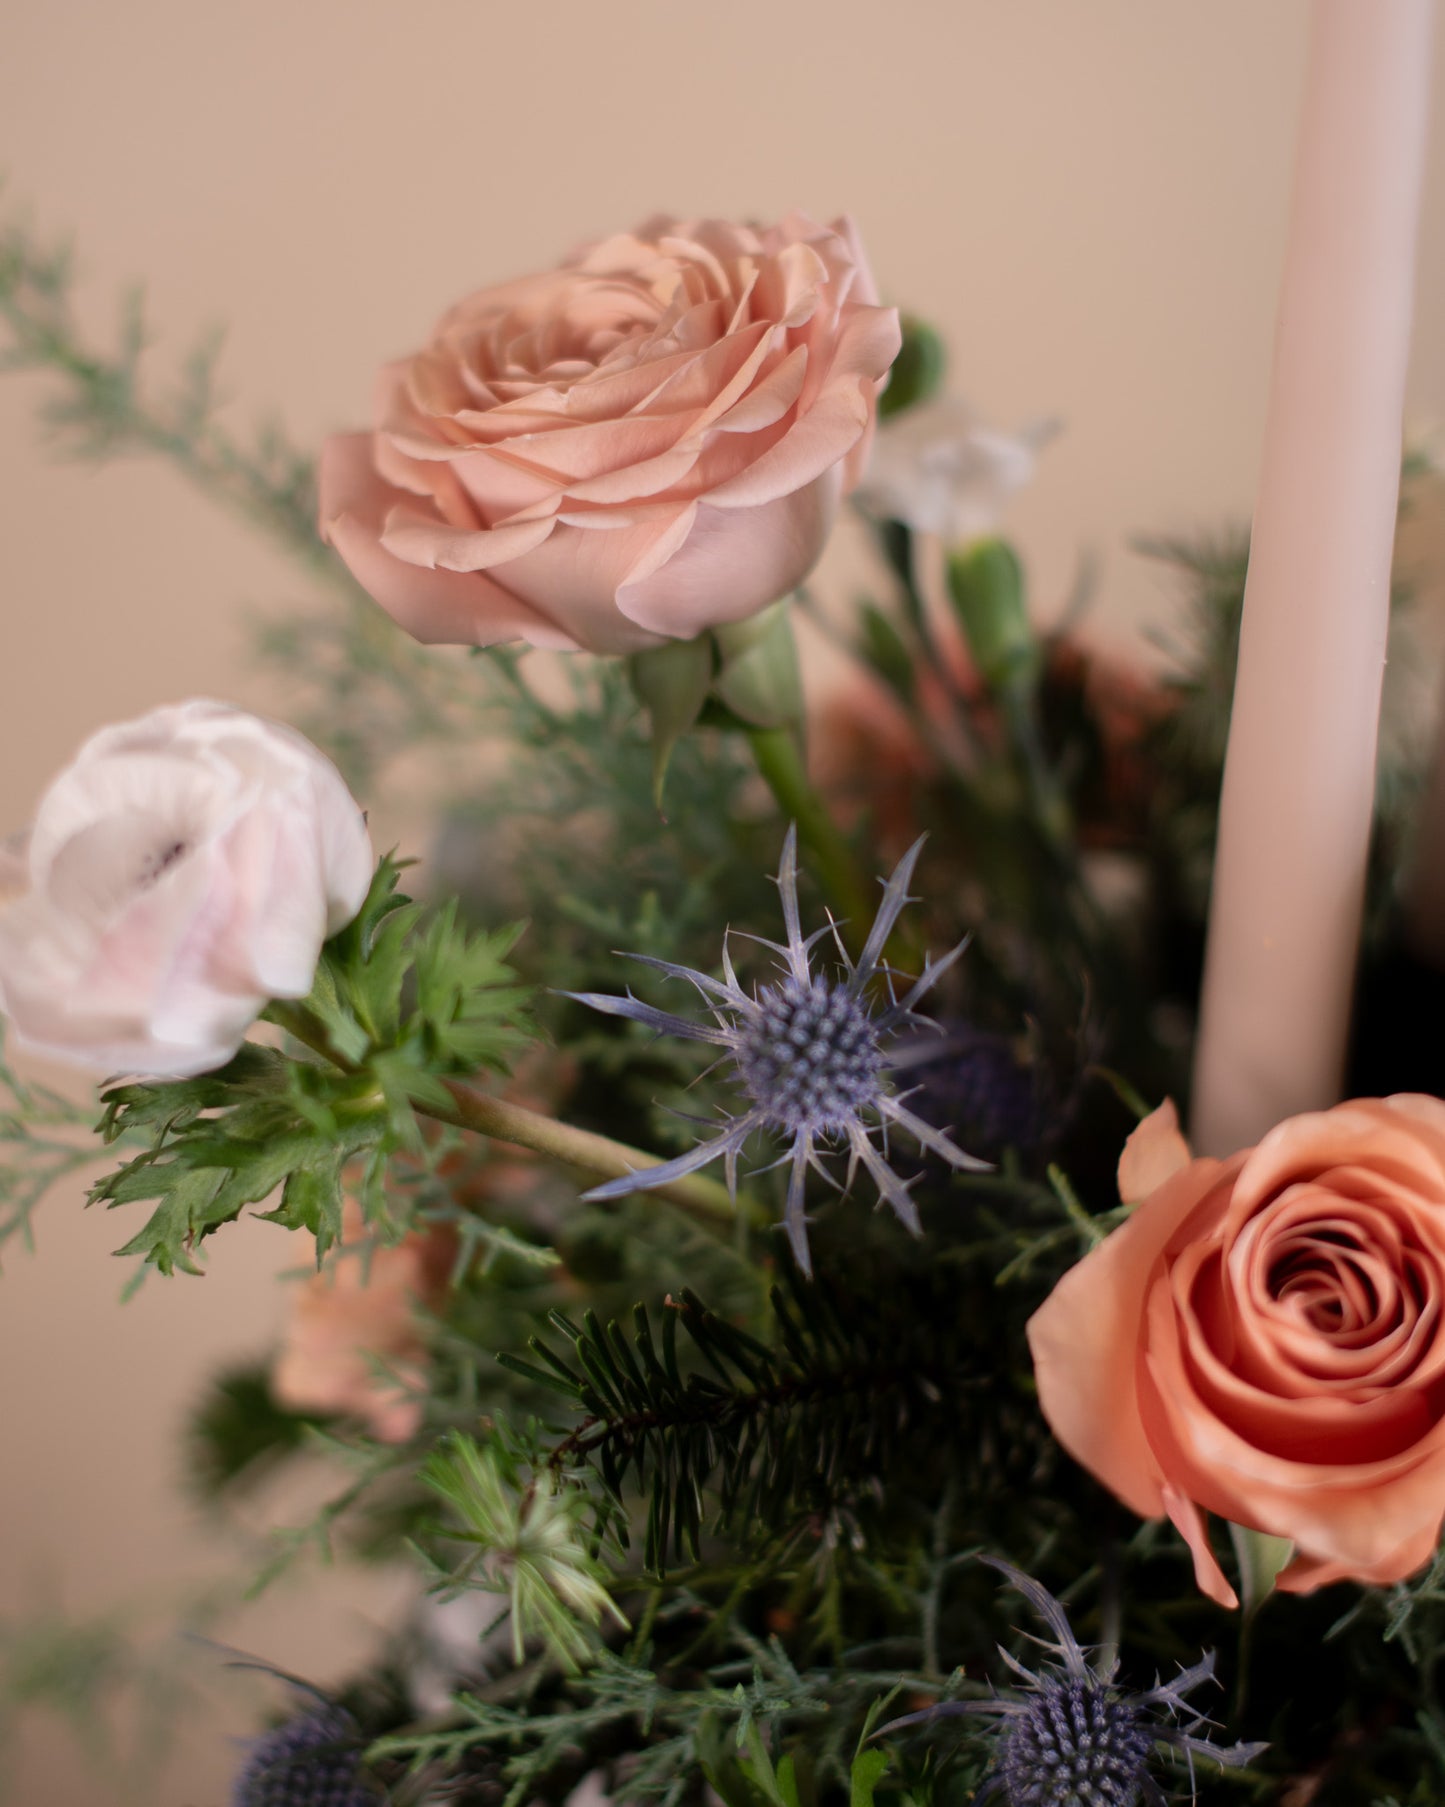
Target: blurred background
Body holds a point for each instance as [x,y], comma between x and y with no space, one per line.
[1089,202]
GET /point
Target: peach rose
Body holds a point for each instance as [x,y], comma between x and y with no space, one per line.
[645,443]
[1263,1339]
[357,1322]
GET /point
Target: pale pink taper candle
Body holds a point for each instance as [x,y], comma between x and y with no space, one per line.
[1299,777]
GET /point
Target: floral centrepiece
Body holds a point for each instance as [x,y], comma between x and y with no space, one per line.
[1262,1339]
[648,442]
[699,1506]
[180,873]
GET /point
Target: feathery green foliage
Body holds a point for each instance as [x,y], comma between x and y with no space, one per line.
[39,1146]
[400,1002]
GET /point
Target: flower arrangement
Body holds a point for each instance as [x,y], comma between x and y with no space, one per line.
[704,1474]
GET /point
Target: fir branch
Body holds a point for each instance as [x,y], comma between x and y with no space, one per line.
[774,1433]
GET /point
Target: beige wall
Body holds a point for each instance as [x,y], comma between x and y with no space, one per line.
[1087,197]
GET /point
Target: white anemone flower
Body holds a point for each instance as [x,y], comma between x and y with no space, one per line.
[180,873]
[939,470]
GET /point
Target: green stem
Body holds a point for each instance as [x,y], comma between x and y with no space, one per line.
[597,1156]
[780,764]
[590,1153]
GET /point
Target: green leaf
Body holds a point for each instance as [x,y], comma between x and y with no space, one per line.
[918,370]
[759,678]
[884,649]
[986,585]
[865,1775]
[1261,1557]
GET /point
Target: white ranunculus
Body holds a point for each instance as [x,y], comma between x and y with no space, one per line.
[939,470]
[181,872]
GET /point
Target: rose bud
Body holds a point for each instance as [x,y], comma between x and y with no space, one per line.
[181,872]
[646,443]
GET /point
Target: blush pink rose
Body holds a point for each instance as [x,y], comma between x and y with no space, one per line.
[180,873]
[1263,1339]
[645,443]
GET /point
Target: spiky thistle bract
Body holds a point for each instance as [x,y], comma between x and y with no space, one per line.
[1071,1737]
[810,1054]
[313,1759]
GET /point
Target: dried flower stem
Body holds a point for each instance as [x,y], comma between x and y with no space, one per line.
[580,1148]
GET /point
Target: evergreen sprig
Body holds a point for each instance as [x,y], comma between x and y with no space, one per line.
[40,1144]
[105,410]
[528,1543]
[769,1433]
[401,1001]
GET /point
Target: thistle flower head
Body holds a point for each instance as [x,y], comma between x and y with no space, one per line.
[810,1054]
[313,1760]
[1070,1736]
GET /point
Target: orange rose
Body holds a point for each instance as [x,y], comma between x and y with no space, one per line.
[646,443]
[1263,1339]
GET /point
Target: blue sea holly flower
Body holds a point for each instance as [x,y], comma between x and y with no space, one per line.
[313,1760]
[810,1054]
[1071,1737]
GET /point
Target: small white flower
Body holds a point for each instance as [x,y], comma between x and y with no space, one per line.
[181,872]
[939,470]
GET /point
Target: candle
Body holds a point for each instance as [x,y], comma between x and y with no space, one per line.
[1299,775]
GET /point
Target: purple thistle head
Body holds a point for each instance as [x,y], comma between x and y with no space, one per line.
[313,1760]
[810,1055]
[1070,1736]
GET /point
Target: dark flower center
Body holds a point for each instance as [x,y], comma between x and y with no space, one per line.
[160,860]
[810,1058]
[313,1761]
[1076,1745]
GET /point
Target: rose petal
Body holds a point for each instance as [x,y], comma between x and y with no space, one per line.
[1153,1153]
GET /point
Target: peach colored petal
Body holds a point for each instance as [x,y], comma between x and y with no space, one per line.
[1085,1338]
[731,563]
[437,606]
[663,377]
[770,398]
[1188,1521]
[418,539]
[1361,1131]
[581,572]
[826,432]
[1153,1153]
